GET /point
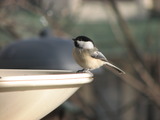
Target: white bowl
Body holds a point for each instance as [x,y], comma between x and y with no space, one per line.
[32,94]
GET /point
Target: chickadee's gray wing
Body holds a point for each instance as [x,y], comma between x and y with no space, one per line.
[98,55]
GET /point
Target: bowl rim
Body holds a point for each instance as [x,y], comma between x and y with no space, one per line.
[61,78]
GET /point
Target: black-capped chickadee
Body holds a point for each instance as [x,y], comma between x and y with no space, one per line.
[88,56]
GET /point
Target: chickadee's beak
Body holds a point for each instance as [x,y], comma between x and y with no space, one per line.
[73,39]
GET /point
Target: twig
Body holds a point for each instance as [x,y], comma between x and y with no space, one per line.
[140,66]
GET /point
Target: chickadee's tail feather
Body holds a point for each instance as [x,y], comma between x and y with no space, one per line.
[114,67]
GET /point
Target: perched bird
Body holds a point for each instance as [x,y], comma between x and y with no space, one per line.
[89,57]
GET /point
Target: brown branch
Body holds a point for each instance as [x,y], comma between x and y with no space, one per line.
[139,65]
[152,94]
[127,33]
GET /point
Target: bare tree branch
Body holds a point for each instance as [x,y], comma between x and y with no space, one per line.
[139,64]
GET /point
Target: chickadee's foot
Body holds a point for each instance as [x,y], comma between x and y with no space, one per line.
[84,71]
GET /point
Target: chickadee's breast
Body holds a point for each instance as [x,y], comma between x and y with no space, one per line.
[84,59]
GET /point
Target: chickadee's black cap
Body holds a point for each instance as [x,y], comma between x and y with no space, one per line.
[82,38]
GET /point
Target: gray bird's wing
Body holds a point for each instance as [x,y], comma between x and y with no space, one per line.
[98,55]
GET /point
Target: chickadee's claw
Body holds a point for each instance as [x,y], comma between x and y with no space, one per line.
[79,71]
[84,71]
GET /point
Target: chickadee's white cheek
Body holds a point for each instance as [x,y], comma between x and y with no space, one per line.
[86,45]
[89,45]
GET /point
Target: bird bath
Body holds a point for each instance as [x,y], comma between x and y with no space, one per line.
[32,94]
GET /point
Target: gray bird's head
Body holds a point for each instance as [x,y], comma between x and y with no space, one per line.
[83,42]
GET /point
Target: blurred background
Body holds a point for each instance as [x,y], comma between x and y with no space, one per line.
[36,34]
